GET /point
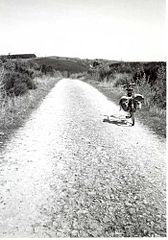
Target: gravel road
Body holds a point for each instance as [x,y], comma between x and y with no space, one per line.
[69,172]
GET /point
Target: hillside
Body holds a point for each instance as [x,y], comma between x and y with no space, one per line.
[72,65]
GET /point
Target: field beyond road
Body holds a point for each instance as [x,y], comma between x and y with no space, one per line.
[69,172]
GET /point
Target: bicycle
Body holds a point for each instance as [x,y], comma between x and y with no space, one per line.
[131,102]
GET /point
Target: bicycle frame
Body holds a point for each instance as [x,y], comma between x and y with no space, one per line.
[131,102]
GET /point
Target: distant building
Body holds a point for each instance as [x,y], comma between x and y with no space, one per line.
[16,56]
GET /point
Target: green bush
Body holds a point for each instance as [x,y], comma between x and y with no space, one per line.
[17,84]
[160,87]
[47,69]
[18,75]
[120,79]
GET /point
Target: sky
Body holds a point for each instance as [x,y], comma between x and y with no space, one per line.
[130,30]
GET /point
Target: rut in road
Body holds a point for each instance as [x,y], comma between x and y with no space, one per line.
[68,173]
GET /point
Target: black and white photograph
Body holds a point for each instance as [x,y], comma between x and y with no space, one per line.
[83,119]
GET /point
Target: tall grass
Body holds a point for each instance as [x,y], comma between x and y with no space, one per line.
[150,82]
[22,86]
[15,109]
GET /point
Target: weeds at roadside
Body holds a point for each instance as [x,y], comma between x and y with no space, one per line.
[15,109]
[153,112]
[22,87]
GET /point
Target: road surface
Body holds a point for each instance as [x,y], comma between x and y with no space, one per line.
[69,172]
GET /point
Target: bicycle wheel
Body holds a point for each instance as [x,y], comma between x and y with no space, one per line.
[133,119]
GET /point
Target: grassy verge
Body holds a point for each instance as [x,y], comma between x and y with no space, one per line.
[151,116]
[14,111]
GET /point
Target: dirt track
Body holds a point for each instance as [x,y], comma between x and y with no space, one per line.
[69,172]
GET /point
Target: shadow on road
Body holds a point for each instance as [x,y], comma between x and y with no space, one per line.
[117,120]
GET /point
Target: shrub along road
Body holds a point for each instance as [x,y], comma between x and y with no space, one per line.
[70,172]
